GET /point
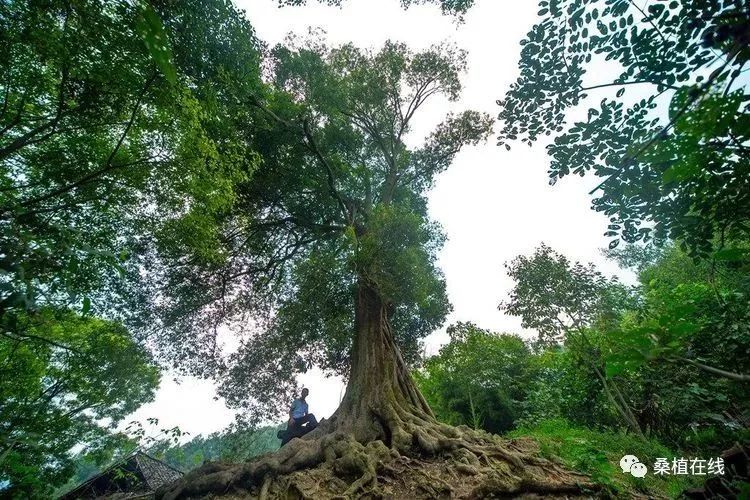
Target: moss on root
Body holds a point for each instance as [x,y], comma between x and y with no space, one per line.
[464,464]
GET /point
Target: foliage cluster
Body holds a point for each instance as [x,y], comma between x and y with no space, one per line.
[664,361]
[667,358]
[70,391]
[478,379]
[667,125]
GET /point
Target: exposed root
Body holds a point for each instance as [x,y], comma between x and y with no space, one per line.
[439,462]
[264,489]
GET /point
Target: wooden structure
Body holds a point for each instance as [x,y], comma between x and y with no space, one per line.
[136,476]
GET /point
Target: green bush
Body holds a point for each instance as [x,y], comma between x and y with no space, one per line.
[598,455]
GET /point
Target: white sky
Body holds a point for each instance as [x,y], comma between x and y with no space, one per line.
[493,204]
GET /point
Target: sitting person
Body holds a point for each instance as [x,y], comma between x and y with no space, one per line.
[300,421]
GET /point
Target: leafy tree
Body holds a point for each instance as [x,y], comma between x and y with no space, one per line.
[328,249]
[563,301]
[669,135]
[691,310]
[109,130]
[562,405]
[332,223]
[565,386]
[68,387]
[478,379]
[686,345]
[670,360]
[553,295]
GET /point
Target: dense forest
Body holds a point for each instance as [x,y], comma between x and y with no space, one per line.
[168,180]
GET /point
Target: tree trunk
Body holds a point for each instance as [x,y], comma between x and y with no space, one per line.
[380,392]
[622,409]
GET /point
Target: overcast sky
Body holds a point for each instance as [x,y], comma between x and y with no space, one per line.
[493,204]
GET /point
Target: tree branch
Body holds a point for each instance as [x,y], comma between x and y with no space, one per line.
[650,21]
[312,145]
[25,139]
[329,171]
[108,164]
[633,82]
[21,336]
[740,377]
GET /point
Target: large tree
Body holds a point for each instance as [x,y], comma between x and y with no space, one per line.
[331,233]
[105,127]
[331,237]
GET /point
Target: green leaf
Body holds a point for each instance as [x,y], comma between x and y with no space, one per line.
[680,172]
[613,369]
[151,30]
[679,100]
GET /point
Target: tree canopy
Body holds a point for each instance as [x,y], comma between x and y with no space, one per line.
[97,145]
[338,197]
[450,7]
[552,295]
[176,194]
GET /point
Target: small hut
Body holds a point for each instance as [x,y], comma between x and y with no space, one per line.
[138,475]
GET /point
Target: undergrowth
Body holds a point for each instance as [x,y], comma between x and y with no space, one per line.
[598,454]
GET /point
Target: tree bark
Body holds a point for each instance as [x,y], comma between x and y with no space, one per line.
[380,391]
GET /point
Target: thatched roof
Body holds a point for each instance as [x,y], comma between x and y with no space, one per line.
[136,476]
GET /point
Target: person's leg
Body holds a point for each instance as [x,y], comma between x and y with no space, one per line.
[308,419]
[304,420]
[296,429]
[285,437]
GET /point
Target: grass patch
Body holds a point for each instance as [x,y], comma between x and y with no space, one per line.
[598,454]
